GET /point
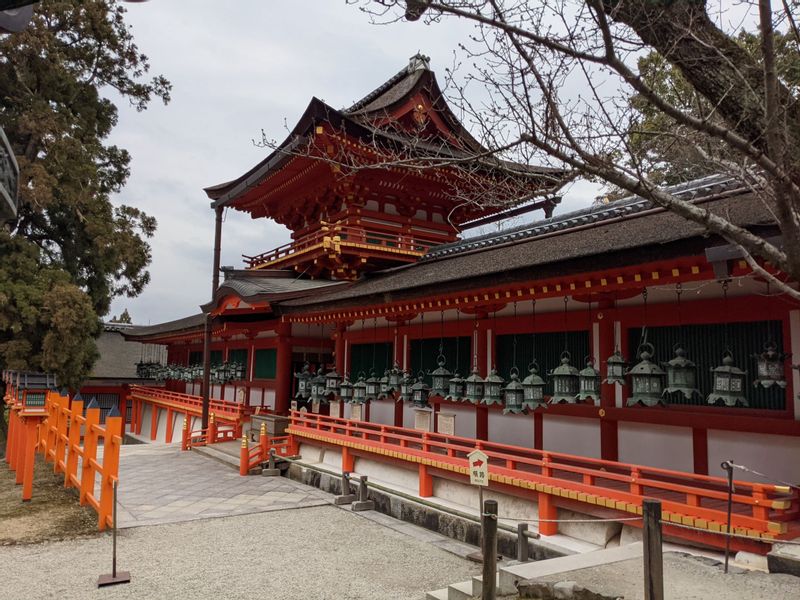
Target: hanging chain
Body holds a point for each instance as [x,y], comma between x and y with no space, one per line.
[533,331]
[514,345]
[458,337]
[441,333]
[727,315]
[678,292]
[374,341]
[643,337]
[475,344]
[566,300]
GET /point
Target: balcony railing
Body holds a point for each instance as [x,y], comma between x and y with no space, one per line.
[340,237]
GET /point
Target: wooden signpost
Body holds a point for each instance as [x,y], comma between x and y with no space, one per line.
[479,476]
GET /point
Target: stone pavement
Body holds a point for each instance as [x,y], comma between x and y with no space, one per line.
[160,484]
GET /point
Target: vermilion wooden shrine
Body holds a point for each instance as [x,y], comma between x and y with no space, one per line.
[379,274]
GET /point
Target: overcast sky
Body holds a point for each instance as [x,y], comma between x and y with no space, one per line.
[236,71]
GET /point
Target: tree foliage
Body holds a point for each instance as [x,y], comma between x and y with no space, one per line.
[71,250]
[657,141]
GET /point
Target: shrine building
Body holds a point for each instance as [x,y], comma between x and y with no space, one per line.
[619,331]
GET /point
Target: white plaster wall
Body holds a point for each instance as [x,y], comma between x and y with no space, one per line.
[177,428]
[408,416]
[406,476]
[660,446]
[254,399]
[147,416]
[777,456]
[161,432]
[571,435]
[465,419]
[230,393]
[347,412]
[382,411]
[466,495]
[269,398]
[216,391]
[515,430]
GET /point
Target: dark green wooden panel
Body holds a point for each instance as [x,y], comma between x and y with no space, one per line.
[265,363]
[366,357]
[704,346]
[239,356]
[424,354]
[548,348]
[196,358]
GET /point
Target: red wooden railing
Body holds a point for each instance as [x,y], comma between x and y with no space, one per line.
[230,412]
[251,458]
[345,234]
[70,440]
[760,510]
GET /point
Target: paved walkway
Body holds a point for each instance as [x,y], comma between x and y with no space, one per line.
[160,484]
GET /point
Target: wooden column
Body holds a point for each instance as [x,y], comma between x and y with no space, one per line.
[538,430]
[481,341]
[608,429]
[283,370]
[700,450]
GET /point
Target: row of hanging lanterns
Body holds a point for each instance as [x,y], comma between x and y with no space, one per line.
[223,373]
[650,383]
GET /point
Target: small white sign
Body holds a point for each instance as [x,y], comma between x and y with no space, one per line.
[355,412]
[478,468]
[334,408]
[446,423]
[315,408]
[422,419]
[294,404]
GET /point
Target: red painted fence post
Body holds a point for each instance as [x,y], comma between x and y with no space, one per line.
[185,434]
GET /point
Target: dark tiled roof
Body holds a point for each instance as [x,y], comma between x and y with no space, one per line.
[186,323]
[271,285]
[579,241]
[714,184]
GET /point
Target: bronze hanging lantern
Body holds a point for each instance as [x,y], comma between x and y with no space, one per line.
[420,392]
[332,382]
[346,390]
[406,385]
[303,379]
[492,389]
[360,390]
[383,384]
[728,383]
[474,387]
[317,385]
[615,368]
[440,378]
[533,388]
[513,394]
[565,380]
[681,375]
[589,382]
[455,391]
[647,379]
[373,387]
[769,366]
[395,377]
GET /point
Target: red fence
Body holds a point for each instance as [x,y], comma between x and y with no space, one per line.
[762,511]
[68,439]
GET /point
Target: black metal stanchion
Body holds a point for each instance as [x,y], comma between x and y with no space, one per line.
[728,466]
[489,550]
[653,559]
[115,577]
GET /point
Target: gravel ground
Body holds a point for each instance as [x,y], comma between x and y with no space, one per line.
[319,552]
[685,578]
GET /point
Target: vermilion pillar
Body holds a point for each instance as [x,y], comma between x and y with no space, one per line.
[608,427]
[283,370]
[480,338]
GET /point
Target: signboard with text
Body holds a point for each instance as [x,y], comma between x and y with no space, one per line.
[478,468]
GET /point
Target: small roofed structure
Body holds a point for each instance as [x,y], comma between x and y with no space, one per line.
[381,182]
